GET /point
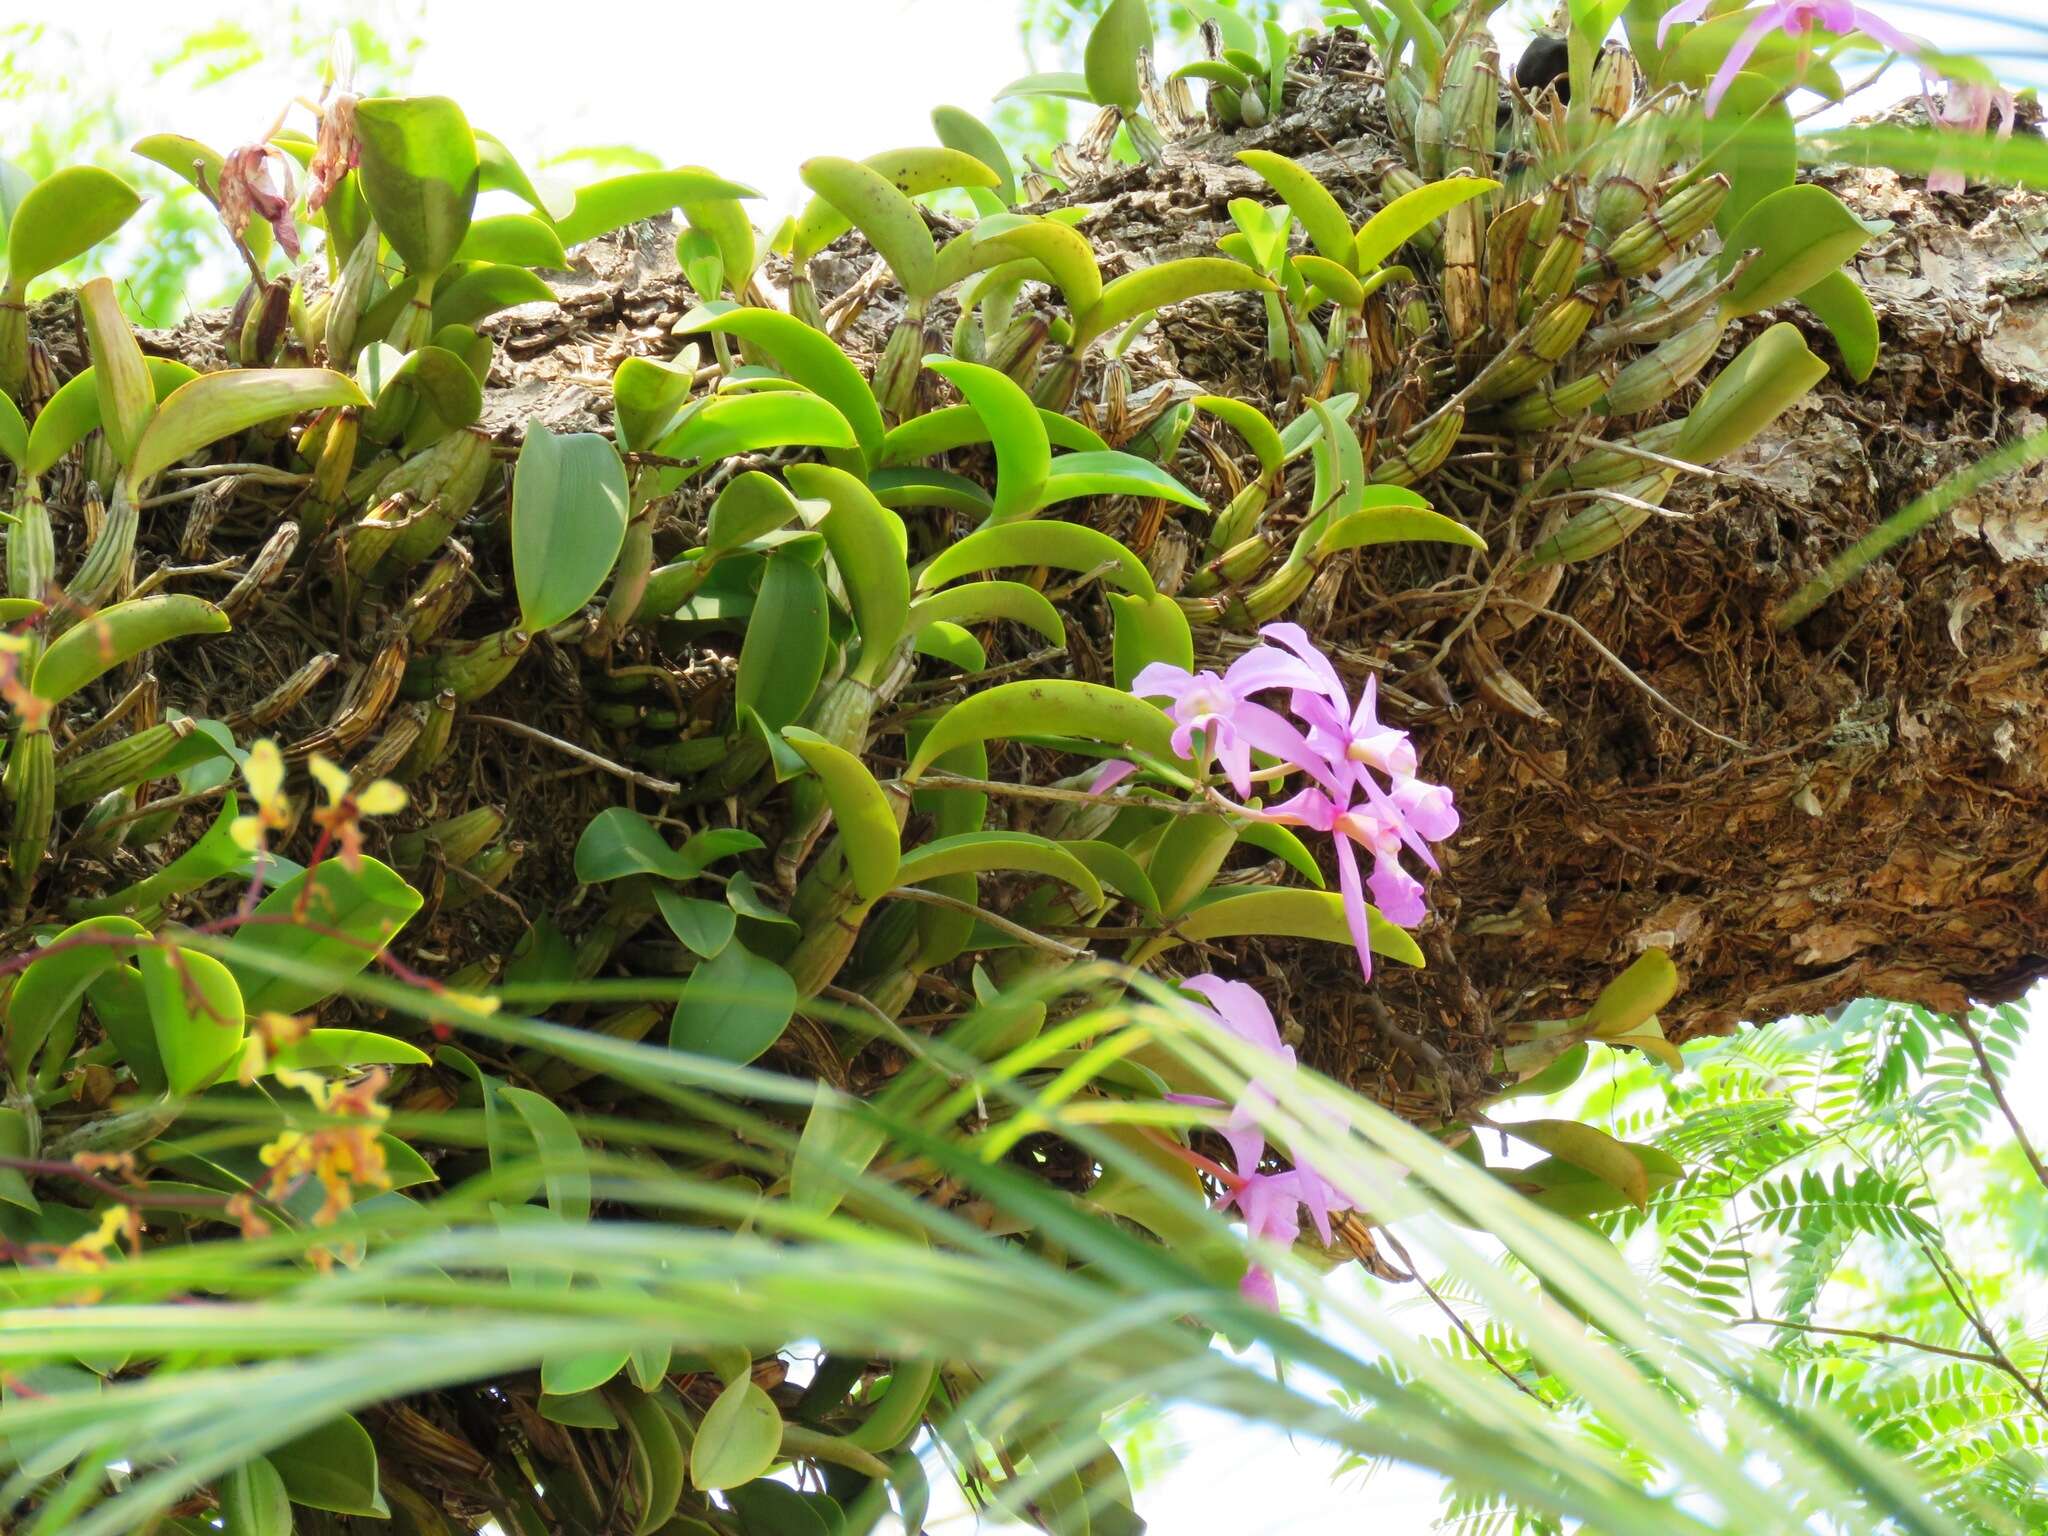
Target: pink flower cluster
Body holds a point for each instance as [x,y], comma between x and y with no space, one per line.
[1271,1203]
[1966,110]
[1795,19]
[1362,786]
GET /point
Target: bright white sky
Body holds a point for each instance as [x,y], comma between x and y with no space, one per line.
[809,77]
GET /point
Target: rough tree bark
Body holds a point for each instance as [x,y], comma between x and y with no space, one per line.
[1856,806]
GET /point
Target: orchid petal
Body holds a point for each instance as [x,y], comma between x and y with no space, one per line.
[1355,913]
[1684,11]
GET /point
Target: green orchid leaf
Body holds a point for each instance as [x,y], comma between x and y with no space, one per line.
[102,641]
[1388,520]
[871,550]
[568,522]
[120,375]
[1053,707]
[725,221]
[484,289]
[980,602]
[962,426]
[604,206]
[618,843]
[733,1007]
[1068,84]
[13,433]
[253,1501]
[1280,912]
[1065,255]
[867,825]
[704,927]
[1800,234]
[500,171]
[962,130]
[334,1468]
[920,487]
[1078,475]
[45,1002]
[1839,303]
[62,217]
[1327,225]
[1594,1151]
[913,172]
[752,505]
[514,239]
[432,376]
[420,173]
[1063,546]
[565,1165]
[975,853]
[805,354]
[726,426]
[1766,379]
[1149,628]
[315,931]
[1023,451]
[1633,997]
[1409,214]
[739,1439]
[1751,141]
[1110,60]
[872,204]
[1170,282]
[196,1013]
[1251,424]
[783,655]
[213,856]
[1333,280]
[344,1050]
[213,406]
[648,395]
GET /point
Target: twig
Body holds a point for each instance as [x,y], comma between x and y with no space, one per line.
[1623,668]
[1998,1092]
[993,919]
[1631,451]
[1873,1336]
[138,1199]
[1061,796]
[584,754]
[1521,1386]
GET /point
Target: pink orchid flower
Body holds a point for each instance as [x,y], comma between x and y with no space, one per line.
[1795,19]
[1354,745]
[1240,1011]
[1966,108]
[1271,1204]
[1220,708]
[1397,894]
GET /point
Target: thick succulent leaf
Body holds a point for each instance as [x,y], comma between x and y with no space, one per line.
[1110,60]
[218,405]
[420,175]
[63,216]
[1051,707]
[867,825]
[1065,546]
[805,354]
[1409,214]
[617,201]
[568,522]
